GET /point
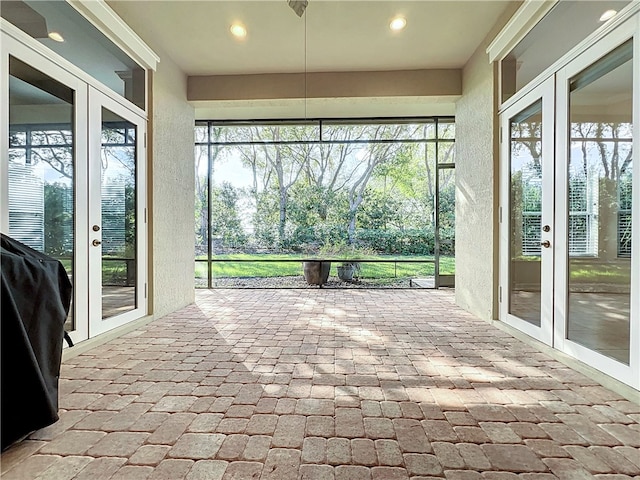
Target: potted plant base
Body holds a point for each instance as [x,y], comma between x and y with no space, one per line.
[346,271]
[316,272]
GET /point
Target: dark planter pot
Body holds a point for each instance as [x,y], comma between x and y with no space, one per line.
[316,273]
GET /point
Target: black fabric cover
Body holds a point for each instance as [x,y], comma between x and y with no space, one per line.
[36,296]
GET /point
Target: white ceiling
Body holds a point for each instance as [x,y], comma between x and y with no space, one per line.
[340,35]
[332,36]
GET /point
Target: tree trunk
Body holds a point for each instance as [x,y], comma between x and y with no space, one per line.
[351,229]
[283,216]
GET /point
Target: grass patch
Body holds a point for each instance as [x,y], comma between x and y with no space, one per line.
[616,274]
[244,265]
[114,272]
[592,270]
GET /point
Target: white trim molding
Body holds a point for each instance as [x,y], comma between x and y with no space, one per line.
[525,18]
[109,23]
[23,38]
[621,18]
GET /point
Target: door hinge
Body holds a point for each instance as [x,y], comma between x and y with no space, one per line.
[500,294]
[145,215]
[500,214]
[145,140]
[145,290]
[500,134]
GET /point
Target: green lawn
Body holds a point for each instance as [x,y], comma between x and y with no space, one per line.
[593,271]
[588,270]
[255,268]
[114,272]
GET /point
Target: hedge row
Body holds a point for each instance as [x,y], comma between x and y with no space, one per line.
[386,242]
[313,239]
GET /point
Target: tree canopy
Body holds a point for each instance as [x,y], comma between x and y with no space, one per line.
[300,187]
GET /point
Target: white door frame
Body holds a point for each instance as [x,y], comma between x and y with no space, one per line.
[544,92]
[14,48]
[87,127]
[97,325]
[629,374]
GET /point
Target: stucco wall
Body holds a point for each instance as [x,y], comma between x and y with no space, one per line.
[476,194]
[172,190]
[477,181]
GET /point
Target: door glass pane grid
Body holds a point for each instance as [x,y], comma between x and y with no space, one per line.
[118,211]
[599,196]
[41,165]
[525,214]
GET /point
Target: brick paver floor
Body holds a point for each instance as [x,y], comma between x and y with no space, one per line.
[324,385]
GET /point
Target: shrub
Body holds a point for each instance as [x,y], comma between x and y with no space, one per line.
[398,242]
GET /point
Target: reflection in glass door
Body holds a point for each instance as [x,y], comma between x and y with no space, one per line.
[118,189]
[116,214]
[598,192]
[42,166]
[527,214]
[568,274]
[72,185]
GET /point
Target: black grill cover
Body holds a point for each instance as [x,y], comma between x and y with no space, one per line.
[36,296]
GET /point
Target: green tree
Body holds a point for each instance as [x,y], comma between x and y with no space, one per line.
[225,216]
[379,210]
[265,219]
[58,219]
[205,156]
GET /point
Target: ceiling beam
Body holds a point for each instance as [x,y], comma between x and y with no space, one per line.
[400,83]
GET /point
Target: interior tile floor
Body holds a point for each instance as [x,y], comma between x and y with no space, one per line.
[597,320]
[328,384]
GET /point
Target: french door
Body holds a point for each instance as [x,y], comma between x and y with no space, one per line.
[72,183]
[117,231]
[597,294]
[570,205]
[527,213]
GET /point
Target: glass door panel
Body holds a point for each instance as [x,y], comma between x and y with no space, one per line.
[527,214]
[568,275]
[599,192]
[41,166]
[118,189]
[73,177]
[116,213]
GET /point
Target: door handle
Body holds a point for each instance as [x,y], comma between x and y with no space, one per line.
[545,244]
[96,243]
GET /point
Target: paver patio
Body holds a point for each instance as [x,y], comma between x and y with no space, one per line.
[328,384]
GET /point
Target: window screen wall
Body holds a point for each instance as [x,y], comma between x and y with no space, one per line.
[322,187]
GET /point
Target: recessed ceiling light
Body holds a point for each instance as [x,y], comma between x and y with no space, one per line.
[398,23]
[56,37]
[238,30]
[608,15]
